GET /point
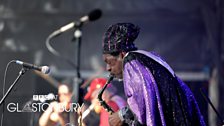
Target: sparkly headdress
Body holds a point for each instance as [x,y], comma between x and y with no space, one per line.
[120,37]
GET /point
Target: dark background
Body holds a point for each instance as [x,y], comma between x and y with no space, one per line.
[188,34]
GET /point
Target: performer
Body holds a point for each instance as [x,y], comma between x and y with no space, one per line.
[54,114]
[155,95]
[109,95]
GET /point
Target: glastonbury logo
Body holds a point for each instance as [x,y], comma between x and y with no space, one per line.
[39,104]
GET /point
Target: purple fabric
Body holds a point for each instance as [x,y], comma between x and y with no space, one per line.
[142,93]
[145,100]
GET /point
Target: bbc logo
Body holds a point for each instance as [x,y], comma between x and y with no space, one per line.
[45,97]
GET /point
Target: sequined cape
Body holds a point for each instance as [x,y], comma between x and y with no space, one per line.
[155,95]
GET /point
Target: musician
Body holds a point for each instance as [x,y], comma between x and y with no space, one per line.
[54,114]
[109,95]
[155,95]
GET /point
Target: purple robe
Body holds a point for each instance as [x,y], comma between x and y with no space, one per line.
[155,95]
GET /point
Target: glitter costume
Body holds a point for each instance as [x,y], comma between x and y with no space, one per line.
[155,95]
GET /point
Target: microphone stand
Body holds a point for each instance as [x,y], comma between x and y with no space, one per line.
[77,80]
[77,37]
[22,72]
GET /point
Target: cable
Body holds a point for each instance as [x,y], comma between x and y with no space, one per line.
[48,45]
[3,90]
[210,103]
[56,53]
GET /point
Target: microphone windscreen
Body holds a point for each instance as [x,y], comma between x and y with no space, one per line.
[95,14]
[45,69]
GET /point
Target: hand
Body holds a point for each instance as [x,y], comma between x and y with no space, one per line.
[114,120]
[54,111]
[53,106]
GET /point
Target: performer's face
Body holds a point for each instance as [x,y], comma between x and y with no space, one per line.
[114,64]
[64,94]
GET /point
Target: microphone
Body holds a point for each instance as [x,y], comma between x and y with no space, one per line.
[43,69]
[92,16]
